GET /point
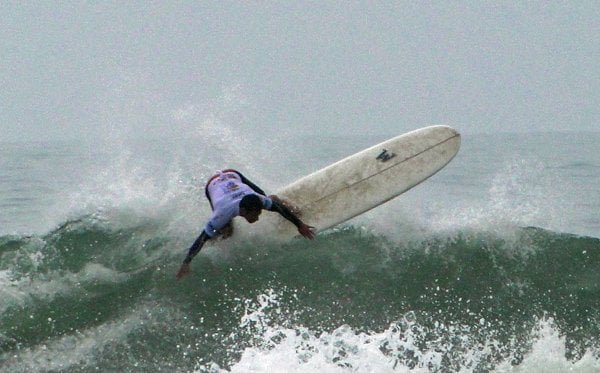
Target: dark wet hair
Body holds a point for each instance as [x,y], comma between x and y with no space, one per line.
[251,202]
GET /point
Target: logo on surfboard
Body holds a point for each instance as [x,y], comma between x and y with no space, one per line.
[384,156]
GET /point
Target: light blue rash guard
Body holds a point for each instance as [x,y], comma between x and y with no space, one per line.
[226,191]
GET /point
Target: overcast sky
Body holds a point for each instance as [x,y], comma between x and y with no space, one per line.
[77,70]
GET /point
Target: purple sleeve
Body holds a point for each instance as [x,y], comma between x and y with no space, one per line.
[266,201]
[215,224]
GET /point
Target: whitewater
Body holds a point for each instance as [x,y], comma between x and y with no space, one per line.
[493,264]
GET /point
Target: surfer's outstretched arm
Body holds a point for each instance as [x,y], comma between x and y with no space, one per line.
[196,246]
[303,229]
[194,249]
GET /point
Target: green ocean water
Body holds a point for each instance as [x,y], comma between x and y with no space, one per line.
[491,265]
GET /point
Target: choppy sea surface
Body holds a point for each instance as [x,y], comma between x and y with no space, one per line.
[493,264]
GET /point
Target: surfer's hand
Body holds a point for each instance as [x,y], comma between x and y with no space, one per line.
[183,271]
[306,231]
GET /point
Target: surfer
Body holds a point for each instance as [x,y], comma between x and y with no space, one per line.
[230,194]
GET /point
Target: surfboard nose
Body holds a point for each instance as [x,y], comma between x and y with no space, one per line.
[454,132]
[449,134]
[450,131]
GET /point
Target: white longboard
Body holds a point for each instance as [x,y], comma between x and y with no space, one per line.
[358,183]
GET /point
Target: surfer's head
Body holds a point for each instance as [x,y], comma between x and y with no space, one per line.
[250,208]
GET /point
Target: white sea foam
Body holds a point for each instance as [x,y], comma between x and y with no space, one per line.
[548,355]
[343,350]
[519,194]
[399,348]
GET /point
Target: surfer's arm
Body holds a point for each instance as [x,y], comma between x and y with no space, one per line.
[279,207]
[194,249]
[196,246]
[253,186]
